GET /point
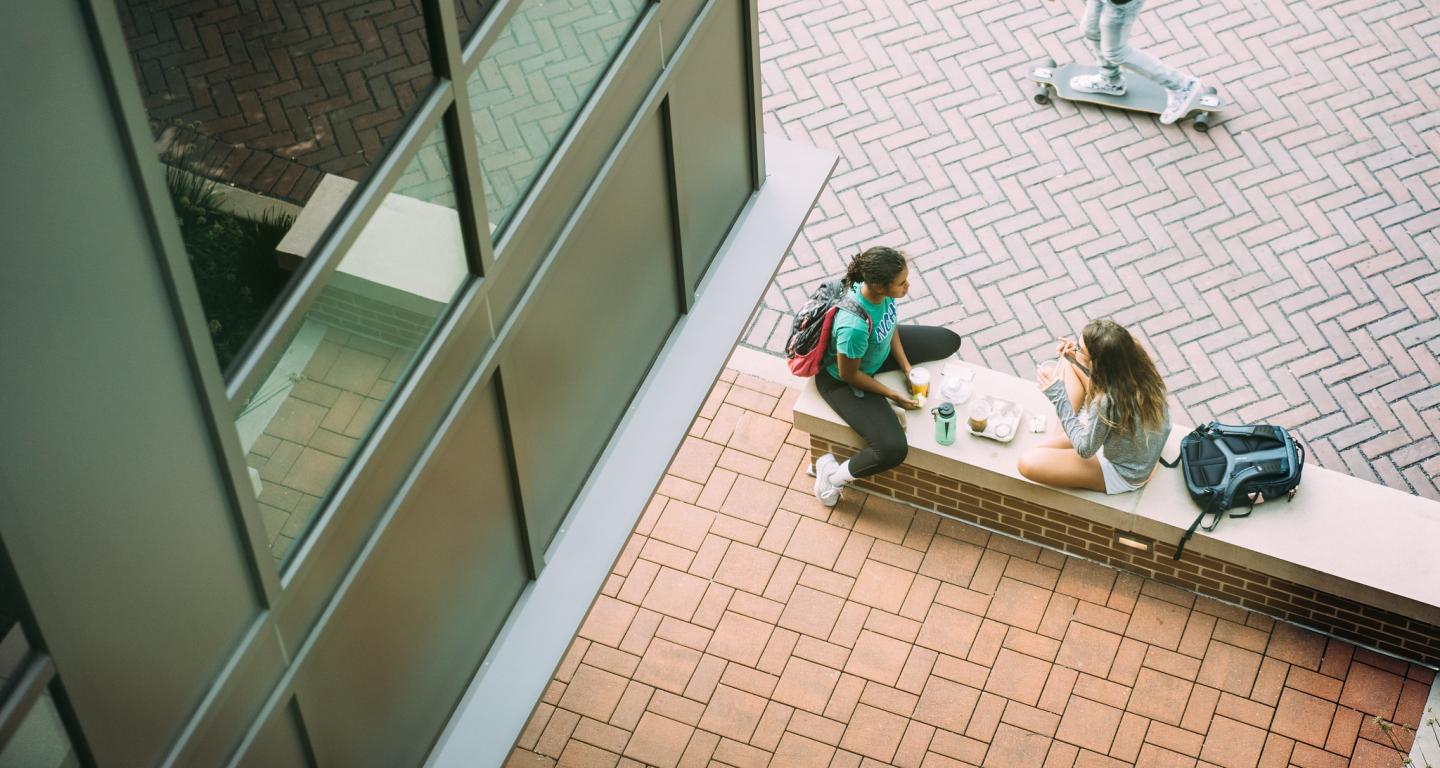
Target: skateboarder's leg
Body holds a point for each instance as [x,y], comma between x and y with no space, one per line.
[1090,31]
[1116,22]
[1109,80]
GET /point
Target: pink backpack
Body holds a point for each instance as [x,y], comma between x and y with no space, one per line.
[810,333]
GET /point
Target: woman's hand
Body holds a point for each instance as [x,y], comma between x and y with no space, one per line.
[1047,375]
[907,402]
[1070,355]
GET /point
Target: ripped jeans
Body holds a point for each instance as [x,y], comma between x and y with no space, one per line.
[1106,27]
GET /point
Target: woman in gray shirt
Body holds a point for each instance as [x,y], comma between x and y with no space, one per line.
[1111,404]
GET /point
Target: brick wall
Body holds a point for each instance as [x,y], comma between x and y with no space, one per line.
[371,317]
[1207,575]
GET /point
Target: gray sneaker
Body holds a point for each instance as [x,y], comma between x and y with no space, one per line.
[1180,101]
[827,492]
[1098,84]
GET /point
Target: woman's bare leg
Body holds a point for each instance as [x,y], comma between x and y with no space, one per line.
[1062,467]
[1055,462]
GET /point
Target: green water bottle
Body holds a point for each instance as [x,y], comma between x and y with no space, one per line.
[944,423]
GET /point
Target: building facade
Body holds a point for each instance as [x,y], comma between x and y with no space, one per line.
[275,509]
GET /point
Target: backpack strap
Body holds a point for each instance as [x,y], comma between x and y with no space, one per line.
[1180,548]
[1202,430]
[849,304]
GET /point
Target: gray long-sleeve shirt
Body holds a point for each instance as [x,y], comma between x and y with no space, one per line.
[1133,454]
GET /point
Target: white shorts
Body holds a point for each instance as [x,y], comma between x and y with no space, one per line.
[1114,483]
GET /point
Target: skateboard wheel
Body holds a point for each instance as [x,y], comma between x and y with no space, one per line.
[1048,63]
[1202,123]
[1210,91]
[1042,95]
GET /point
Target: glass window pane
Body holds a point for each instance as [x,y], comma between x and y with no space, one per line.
[532,81]
[471,13]
[252,107]
[309,417]
[40,740]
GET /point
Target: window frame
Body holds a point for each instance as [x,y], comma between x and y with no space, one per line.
[444,105]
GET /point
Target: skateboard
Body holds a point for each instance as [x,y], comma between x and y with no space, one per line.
[1141,94]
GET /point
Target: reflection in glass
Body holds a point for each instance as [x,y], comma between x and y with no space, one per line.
[40,741]
[252,107]
[428,176]
[310,415]
[532,81]
[471,13]
[14,648]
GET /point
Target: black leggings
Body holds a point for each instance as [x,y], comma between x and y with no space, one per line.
[869,414]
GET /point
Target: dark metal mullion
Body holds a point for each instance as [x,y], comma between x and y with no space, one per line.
[757,112]
[61,699]
[460,137]
[108,40]
[546,260]
[672,181]
[534,559]
[484,37]
[25,692]
[284,318]
[36,672]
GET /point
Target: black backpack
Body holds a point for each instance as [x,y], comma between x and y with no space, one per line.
[1225,466]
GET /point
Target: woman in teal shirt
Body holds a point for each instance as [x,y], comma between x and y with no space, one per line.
[861,349]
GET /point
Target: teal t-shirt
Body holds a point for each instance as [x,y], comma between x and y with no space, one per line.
[849,335]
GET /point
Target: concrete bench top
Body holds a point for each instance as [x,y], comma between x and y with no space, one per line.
[409,245]
[1340,534]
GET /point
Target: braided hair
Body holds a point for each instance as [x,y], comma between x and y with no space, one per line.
[879,266]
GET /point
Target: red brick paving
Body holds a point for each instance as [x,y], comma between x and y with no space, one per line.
[1283,267]
[751,626]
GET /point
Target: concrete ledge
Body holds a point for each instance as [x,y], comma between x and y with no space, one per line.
[1340,537]
[410,254]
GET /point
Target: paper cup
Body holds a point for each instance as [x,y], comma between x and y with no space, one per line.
[979,415]
[919,382]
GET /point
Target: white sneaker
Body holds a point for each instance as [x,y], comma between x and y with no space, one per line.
[1180,101]
[827,492]
[1098,84]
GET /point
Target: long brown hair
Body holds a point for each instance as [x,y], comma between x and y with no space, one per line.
[1121,370]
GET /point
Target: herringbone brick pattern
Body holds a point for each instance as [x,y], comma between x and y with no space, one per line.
[1284,267]
[270,95]
[532,81]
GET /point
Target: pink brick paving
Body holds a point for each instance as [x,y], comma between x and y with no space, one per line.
[746,625]
[1284,267]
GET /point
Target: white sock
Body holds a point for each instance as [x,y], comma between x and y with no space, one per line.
[841,475]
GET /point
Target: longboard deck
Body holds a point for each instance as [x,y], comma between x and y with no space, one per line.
[1141,94]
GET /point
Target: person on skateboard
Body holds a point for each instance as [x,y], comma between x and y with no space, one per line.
[1106,27]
